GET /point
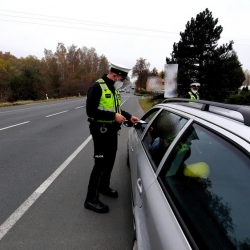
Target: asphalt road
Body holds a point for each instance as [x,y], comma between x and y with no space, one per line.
[46,156]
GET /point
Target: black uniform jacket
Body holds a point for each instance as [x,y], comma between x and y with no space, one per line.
[93,99]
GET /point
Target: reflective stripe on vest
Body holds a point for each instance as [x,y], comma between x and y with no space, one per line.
[108,101]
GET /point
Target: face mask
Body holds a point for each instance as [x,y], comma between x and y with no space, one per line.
[194,91]
[118,84]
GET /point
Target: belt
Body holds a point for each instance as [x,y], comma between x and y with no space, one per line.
[92,120]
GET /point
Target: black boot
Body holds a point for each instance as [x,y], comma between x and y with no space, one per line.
[96,206]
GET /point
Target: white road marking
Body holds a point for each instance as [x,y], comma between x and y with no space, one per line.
[11,221]
[14,125]
[125,101]
[57,113]
[80,107]
[24,109]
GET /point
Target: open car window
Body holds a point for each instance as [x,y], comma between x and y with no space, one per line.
[140,127]
[160,134]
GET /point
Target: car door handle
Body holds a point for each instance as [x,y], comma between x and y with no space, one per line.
[132,149]
[139,185]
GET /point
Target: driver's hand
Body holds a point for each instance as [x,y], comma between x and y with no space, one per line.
[134,119]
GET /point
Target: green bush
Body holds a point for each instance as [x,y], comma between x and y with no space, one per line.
[241,99]
[157,96]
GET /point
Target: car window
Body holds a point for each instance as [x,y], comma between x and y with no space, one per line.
[207,179]
[161,133]
[147,118]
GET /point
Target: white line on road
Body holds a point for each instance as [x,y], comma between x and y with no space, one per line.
[57,113]
[23,109]
[80,107]
[11,221]
[125,101]
[14,125]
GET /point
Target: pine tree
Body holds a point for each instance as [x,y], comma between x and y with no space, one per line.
[198,55]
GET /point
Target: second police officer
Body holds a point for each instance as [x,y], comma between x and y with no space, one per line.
[193,93]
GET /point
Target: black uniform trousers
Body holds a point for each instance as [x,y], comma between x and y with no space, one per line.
[105,147]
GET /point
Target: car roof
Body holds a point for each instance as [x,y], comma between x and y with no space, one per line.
[233,118]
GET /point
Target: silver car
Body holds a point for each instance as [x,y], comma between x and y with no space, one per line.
[190,175]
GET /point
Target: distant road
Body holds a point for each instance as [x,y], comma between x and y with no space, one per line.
[46,156]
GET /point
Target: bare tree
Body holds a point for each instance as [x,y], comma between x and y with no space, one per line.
[247,78]
[60,55]
[141,71]
[103,66]
[73,58]
[52,72]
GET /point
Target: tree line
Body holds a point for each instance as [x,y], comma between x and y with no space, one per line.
[66,72]
[70,71]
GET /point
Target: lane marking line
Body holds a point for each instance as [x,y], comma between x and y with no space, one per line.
[57,113]
[24,109]
[14,125]
[12,220]
[80,107]
[124,101]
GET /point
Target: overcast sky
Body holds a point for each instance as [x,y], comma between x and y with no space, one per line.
[123,31]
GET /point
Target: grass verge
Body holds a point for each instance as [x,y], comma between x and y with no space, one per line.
[148,103]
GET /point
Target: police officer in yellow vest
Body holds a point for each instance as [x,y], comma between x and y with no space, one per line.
[105,117]
[193,93]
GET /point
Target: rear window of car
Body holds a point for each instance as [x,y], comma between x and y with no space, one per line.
[208,181]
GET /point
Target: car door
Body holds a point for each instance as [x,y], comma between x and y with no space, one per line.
[150,200]
[205,180]
[135,150]
[154,143]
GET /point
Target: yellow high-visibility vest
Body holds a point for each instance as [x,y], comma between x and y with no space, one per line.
[109,101]
[192,97]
